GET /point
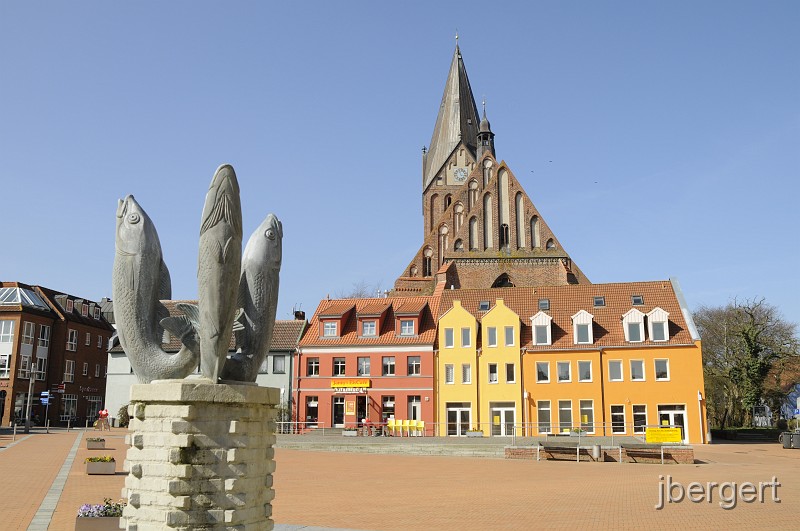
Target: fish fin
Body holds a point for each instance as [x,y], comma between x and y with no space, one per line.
[220,253]
[113,341]
[239,327]
[161,312]
[227,249]
[192,313]
[165,286]
[182,328]
[221,211]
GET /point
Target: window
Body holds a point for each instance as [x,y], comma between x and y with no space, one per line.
[449,376]
[617,419]
[466,373]
[85,369]
[544,304]
[511,373]
[69,371]
[388,365]
[363,366]
[70,305]
[387,407]
[329,329]
[492,373]
[637,300]
[657,320]
[6,331]
[483,306]
[5,365]
[543,414]
[587,415]
[599,302]
[637,370]
[97,371]
[541,328]
[279,364]
[264,368]
[509,336]
[72,340]
[28,331]
[584,371]
[84,309]
[662,370]
[69,406]
[614,370]
[24,367]
[41,368]
[491,336]
[99,341]
[44,336]
[414,366]
[639,419]
[448,338]
[582,328]
[633,325]
[312,367]
[368,328]
[564,415]
[406,327]
[466,337]
[88,341]
[563,370]
[97,313]
[338,366]
[582,333]
[542,372]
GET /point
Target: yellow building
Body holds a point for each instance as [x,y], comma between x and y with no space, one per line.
[456,385]
[600,359]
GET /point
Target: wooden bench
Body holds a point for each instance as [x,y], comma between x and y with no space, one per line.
[644,450]
[560,447]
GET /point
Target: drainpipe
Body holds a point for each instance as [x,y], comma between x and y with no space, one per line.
[435,393]
[700,412]
[478,384]
[602,393]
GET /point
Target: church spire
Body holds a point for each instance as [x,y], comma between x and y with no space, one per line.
[485,136]
[457,120]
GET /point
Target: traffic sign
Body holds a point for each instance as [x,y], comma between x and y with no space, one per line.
[797,411]
[44,400]
[45,394]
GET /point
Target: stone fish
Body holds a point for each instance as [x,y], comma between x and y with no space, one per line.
[258,300]
[139,281]
[219,265]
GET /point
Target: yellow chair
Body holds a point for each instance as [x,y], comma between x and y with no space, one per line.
[421,428]
[390,426]
[405,428]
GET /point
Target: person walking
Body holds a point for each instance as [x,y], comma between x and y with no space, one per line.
[102,420]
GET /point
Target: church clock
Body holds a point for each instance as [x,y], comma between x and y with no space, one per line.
[460,175]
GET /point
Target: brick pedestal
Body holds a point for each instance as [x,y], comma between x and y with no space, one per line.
[201,456]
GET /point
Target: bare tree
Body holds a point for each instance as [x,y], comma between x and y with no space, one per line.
[746,349]
[361,290]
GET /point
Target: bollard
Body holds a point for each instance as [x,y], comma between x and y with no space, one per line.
[596,452]
[47,426]
[15,432]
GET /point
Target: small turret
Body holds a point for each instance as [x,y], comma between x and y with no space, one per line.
[485,136]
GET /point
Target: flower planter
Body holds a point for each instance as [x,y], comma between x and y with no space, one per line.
[474,434]
[100,467]
[102,523]
[349,433]
[95,445]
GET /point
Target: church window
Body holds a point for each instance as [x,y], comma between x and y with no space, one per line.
[535,232]
[458,216]
[443,239]
[503,281]
[550,244]
[487,171]
[487,222]
[426,262]
[473,194]
[473,234]
[459,245]
[448,199]
[520,215]
[504,237]
[432,211]
[413,271]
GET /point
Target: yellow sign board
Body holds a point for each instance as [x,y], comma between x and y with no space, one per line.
[352,383]
[663,435]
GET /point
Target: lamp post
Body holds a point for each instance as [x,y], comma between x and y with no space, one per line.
[30,398]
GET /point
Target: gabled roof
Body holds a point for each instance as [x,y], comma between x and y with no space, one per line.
[457,120]
[337,308]
[374,309]
[411,306]
[566,301]
[428,306]
[75,315]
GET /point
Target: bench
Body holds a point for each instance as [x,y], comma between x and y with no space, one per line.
[560,447]
[642,449]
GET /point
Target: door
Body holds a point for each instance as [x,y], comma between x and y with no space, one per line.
[503,417]
[458,420]
[361,409]
[414,408]
[675,416]
[338,412]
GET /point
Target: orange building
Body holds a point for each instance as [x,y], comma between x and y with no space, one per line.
[367,360]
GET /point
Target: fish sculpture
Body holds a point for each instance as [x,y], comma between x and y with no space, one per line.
[219,266]
[258,301]
[140,279]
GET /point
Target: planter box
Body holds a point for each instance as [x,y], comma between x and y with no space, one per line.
[100,468]
[350,433]
[95,445]
[102,523]
[474,434]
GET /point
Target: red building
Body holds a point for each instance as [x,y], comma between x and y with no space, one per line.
[367,359]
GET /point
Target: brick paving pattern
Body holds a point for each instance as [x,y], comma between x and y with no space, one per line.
[391,491]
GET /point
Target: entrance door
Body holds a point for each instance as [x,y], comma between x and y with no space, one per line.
[414,408]
[338,412]
[675,416]
[361,409]
[458,420]
[503,418]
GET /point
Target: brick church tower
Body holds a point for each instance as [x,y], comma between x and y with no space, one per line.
[480,228]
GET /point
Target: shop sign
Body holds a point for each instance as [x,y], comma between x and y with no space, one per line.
[351,386]
[663,435]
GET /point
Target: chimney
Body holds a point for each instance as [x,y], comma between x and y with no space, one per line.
[300,315]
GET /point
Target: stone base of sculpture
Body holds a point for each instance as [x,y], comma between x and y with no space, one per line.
[200,456]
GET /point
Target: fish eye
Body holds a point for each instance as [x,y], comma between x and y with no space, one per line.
[133,218]
[270,234]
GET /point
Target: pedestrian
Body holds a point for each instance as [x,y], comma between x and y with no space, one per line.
[102,421]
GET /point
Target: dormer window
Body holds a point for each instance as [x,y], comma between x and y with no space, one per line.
[97,313]
[406,327]
[541,324]
[657,324]
[582,332]
[329,329]
[85,309]
[483,306]
[599,302]
[633,326]
[544,304]
[637,300]
[70,305]
[368,328]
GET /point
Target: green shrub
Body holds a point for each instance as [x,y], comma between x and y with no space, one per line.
[123,417]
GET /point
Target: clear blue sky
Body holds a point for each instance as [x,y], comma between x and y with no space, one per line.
[673,129]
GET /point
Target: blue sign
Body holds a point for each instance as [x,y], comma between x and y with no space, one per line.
[44,401]
[797,411]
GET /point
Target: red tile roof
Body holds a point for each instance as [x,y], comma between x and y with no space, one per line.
[374,309]
[566,301]
[337,307]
